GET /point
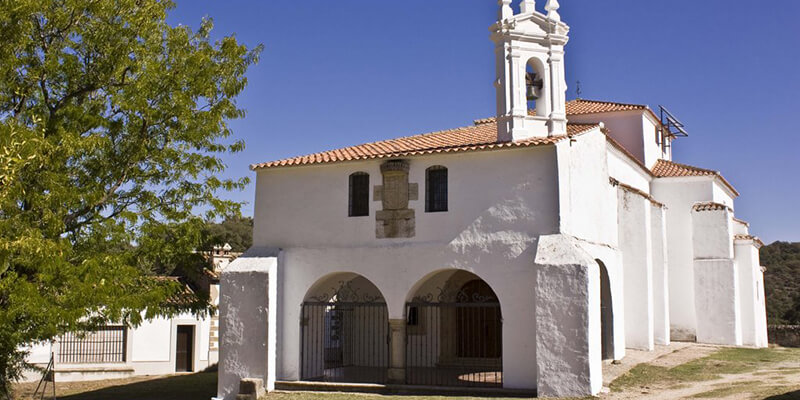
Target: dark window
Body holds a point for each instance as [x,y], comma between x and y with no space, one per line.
[436,189]
[359,194]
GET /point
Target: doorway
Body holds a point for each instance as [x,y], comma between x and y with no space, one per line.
[184,362]
[606,314]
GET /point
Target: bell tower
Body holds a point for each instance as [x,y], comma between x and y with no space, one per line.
[531,88]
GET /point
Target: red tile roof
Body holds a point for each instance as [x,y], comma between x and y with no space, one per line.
[472,138]
[671,169]
[755,239]
[710,206]
[581,106]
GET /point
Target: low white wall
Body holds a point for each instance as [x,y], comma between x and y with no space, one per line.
[150,350]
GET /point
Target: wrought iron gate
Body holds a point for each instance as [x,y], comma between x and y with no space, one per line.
[345,338]
[455,338]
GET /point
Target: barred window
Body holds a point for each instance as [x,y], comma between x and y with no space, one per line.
[436,189]
[104,345]
[359,194]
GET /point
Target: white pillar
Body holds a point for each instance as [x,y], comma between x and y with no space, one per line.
[528,6]
[716,277]
[568,335]
[635,238]
[660,275]
[247,315]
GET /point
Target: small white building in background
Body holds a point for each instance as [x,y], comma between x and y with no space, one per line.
[184,343]
[519,252]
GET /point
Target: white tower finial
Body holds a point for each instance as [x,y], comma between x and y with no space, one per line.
[530,82]
[528,6]
[552,7]
[505,9]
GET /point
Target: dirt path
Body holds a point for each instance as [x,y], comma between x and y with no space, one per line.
[772,380]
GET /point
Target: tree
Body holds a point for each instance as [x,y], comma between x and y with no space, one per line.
[236,231]
[112,124]
[782,282]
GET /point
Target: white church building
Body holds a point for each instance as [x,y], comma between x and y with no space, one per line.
[518,253]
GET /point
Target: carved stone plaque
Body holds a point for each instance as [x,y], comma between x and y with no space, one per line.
[396,220]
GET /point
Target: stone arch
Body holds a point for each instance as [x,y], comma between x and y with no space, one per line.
[606,313]
[454,331]
[344,324]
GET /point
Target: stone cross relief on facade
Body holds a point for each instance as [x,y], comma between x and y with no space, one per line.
[396,220]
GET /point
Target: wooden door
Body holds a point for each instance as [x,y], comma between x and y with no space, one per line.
[184,361]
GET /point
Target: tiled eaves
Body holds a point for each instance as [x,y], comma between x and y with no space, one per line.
[710,206]
[672,169]
[756,240]
[466,139]
[631,189]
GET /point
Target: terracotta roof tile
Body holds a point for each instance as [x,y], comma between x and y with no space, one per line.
[581,106]
[755,239]
[710,206]
[471,138]
[671,169]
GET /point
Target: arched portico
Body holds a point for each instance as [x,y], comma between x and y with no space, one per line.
[343,327]
[453,332]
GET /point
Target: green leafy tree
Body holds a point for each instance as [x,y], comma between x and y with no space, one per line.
[235,230]
[782,282]
[112,124]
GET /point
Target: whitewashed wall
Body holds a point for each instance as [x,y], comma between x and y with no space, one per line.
[150,350]
[754,332]
[679,195]
[636,245]
[490,232]
[660,275]
[587,201]
[716,276]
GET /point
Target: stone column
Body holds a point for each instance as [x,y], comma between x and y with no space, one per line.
[397,351]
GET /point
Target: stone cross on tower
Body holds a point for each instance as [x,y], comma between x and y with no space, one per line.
[531,86]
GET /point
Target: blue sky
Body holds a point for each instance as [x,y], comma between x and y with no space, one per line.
[337,73]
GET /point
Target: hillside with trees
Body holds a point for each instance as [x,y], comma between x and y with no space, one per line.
[782,282]
[236,231]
